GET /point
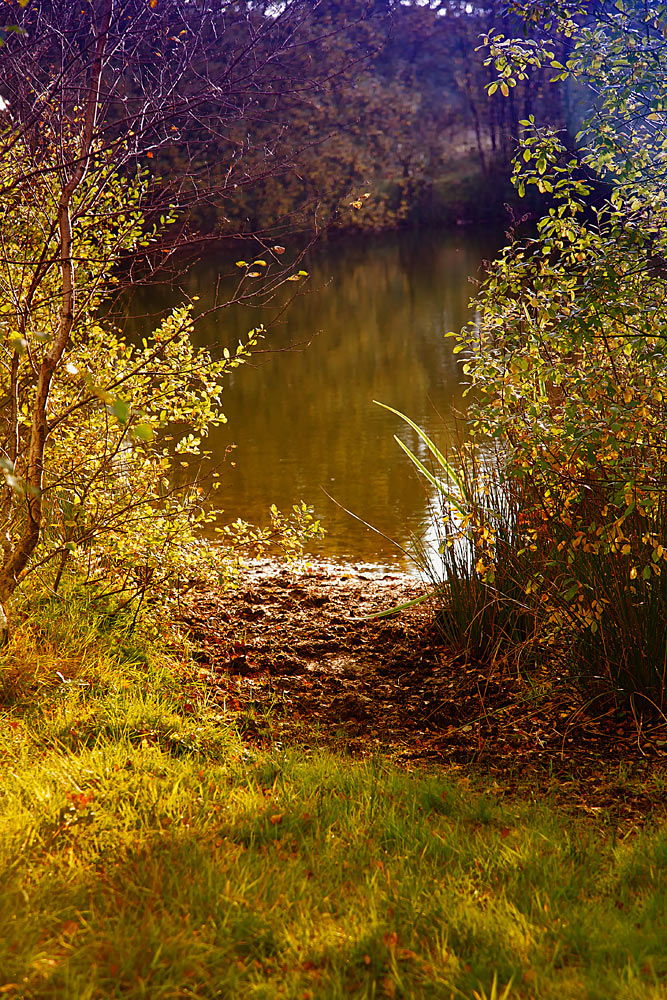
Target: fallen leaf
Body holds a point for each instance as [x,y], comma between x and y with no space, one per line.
[389,987]
[407,954]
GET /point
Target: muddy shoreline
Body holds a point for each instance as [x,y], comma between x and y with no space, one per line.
[298,655]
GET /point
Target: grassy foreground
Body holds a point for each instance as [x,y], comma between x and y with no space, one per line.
[147,851]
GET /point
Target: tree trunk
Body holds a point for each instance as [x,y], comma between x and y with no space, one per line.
[17,557]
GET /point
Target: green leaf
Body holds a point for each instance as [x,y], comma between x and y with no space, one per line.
[19,344]
[121,410]
[144,432]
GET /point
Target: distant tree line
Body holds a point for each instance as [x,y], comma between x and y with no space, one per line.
[395,126]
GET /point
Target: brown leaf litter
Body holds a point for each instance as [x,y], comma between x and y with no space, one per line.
[300,649]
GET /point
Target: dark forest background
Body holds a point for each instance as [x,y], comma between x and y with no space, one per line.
[386,121]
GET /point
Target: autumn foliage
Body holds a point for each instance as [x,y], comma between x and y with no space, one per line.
[567,355]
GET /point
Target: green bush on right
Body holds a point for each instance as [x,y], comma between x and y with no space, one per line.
[566,354]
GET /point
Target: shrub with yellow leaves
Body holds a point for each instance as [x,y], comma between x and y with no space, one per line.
[567,353]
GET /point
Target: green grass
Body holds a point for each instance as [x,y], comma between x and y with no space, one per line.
[146,851]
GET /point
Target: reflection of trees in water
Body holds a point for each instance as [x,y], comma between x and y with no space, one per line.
[376,319]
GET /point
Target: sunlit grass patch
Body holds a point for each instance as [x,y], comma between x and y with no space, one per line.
[146,851]
[130,872]
[61,643]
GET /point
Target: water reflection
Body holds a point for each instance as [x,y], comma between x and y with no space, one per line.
[371,326]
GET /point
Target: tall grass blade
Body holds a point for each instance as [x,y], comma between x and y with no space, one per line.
[447,494]
[395,610]
[435,451]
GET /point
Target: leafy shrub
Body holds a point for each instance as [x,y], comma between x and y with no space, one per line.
[567,352]
[120,418]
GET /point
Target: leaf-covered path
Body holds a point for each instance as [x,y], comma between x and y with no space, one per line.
[300,650]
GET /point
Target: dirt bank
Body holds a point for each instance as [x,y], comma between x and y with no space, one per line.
[301,646]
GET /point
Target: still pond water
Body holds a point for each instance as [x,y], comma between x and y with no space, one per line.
[370,324]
